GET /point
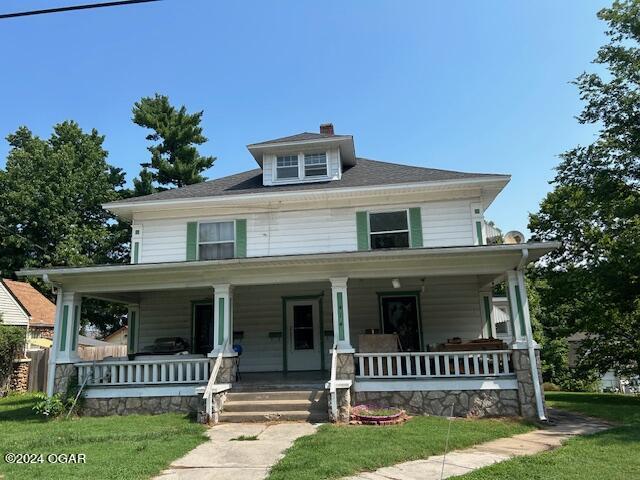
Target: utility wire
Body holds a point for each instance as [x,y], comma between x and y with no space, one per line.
[73,7]
[23,237]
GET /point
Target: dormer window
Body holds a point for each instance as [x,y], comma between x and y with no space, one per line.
[315,165]
[287,166]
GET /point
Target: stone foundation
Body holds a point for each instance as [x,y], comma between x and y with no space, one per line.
[473,403]
[526,393]
[19,378]
[228,369]
[345,370]
[66,373]
[100,407]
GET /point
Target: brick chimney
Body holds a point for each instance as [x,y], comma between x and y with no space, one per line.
[326,129]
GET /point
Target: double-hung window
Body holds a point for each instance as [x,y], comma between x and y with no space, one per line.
[287,166]
[315,165]
[216,240]
[389,230]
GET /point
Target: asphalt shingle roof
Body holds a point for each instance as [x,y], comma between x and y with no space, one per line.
[41,310]
[365,173]
[299,137]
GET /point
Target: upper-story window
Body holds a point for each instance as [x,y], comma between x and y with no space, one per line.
[216,240]
[389,229]
[315,165]
[287,166]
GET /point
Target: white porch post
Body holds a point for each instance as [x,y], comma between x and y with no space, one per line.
[69,328]
[523,334]
[222,319]
[340,305]
[486,309]
[53,354]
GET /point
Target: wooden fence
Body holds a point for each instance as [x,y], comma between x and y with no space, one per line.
[98,353]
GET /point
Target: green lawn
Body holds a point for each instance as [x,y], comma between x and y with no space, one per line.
[336,451]
[610,455]
[132,447]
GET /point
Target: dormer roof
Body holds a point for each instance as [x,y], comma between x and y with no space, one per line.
[306,140]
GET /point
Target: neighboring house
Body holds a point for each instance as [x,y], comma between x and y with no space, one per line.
[119,337]
[24,306]
[609,381]
[322,267]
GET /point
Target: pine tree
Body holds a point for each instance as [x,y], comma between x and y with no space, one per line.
[175,160]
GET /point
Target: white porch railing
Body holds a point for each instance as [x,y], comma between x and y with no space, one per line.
[159,371]
[494,363]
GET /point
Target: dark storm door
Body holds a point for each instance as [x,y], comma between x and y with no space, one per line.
[400,316]
[202,328]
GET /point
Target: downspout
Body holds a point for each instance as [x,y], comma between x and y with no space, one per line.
[530,346]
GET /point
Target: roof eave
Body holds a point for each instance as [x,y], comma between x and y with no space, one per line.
[348,155]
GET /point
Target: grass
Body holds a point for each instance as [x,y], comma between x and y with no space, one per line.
[245,438]
[612,455]
[341,450]
[132,447]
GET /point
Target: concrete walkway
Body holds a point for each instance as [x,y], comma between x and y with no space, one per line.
[563,426]
[224,459]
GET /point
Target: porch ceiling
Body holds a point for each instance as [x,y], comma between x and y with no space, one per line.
[489,261]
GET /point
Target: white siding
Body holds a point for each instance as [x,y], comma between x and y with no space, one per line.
[10,311]
[450,308]
[446,223]
[167,314]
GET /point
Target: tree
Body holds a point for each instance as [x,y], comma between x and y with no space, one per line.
[593,280]
[175,160]
[51,196]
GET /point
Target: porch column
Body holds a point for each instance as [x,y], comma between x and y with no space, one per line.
[133,323]
[486,309]
[340,304]
[222,319]
[64,348]
[525,348]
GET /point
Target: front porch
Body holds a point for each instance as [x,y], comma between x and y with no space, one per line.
[401,328]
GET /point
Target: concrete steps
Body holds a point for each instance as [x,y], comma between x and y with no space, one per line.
[277,405]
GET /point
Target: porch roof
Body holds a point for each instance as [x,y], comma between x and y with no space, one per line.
[488,261]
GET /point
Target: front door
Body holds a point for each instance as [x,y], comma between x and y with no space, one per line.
[303,335]
[202,328]
[400,316]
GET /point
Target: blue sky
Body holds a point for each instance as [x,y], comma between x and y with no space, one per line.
[462,85]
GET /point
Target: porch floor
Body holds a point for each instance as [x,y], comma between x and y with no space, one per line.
[251,381]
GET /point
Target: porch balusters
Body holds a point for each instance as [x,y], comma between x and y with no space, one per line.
[445,365]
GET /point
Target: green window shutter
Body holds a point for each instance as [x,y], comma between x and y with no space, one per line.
[415,227]
[362,226]
[241,238]
[192,241]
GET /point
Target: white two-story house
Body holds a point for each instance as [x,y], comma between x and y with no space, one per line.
[317,270]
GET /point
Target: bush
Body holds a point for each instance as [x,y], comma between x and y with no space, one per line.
[59,404]
[12,340]
[550,387]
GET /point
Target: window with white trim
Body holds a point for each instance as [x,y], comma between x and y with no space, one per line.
[216,240]
[286,166]
[389,230]
[315,165]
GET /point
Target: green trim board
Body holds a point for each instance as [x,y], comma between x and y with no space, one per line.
[63,333]
[362,227]
[408,293]
[74,334]
[415,227]
[320,298]
[340,303]
[192,241]
[136,251]
[195,303]
[512,317]
[221,320]
[241,238]
[487,315]
[132,331]
[520,310]
[479,233]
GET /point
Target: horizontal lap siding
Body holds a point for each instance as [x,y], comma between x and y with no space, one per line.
[258,311]
[309,231]
[450,306]
[10,312]
[167,314]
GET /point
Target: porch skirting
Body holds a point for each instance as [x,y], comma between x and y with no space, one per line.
[476,403]
[99,407]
